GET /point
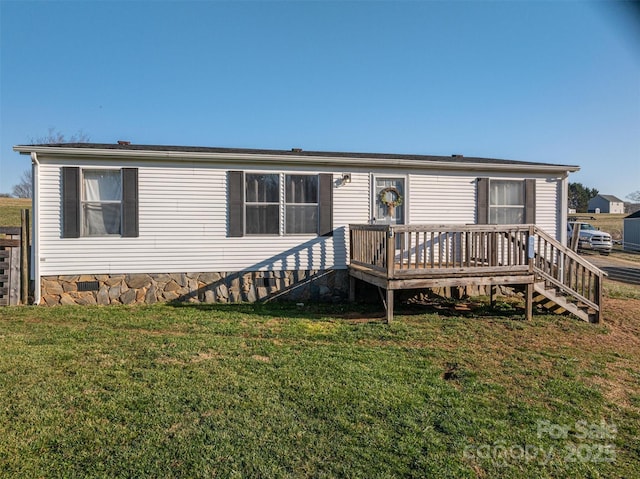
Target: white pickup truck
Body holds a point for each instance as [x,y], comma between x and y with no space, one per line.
[591,238]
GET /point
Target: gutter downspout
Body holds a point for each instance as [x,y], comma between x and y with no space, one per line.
[35,244]
[564,208]
[564,214]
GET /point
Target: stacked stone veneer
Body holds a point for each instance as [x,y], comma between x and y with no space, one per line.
[313,285]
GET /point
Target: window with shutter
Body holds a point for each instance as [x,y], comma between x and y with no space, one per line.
[259,203]
[99,202]
[505,201]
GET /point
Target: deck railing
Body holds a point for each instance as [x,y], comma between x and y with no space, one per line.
[563,269]
[409,250]
[433,251]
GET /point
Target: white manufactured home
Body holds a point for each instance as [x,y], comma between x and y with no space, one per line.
[123,223]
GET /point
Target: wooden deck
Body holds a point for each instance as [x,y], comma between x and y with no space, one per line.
[430,256]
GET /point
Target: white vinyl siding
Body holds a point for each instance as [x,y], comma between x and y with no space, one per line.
[183,219]
[548,205]
[183,227]
[438,198]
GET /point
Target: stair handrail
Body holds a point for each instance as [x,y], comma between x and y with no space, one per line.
[567,252]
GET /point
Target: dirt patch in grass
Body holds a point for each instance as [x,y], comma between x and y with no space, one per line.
[619,332]
[617,385]
[622,317]
[262,359]
[622,321]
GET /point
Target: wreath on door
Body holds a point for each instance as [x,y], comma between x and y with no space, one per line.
[390,197]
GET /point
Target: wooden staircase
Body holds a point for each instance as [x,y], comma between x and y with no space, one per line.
[554,302]
[565,281]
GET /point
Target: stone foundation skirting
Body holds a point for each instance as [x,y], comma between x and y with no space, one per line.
[304,285]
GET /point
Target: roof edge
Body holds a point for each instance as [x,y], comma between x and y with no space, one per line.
[145,152]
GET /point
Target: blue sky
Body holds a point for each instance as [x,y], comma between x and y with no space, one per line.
[542,81]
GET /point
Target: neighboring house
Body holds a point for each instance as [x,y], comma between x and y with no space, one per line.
[631,232]
[606,204]
[123,223]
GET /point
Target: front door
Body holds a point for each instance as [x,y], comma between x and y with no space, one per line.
[389,201]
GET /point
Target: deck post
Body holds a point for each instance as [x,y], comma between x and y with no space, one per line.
[529,302]
[599,293]
[391,252]
[389,305]
[24,257]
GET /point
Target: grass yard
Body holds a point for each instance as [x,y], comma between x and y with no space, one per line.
[320,391]
[10,209]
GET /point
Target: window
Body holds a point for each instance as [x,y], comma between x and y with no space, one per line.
[279,204]
[101,202]
[506,202]
[301,204]
[262,202]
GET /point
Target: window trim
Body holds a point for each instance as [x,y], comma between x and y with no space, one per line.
[71,225]
[285,203]
[483,198]
[520,207]
[236,208]
[260,203]
[84,202]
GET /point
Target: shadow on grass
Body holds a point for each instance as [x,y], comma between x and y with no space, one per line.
[364,312]
[290,309]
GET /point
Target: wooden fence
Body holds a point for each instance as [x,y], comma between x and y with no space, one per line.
[14,263]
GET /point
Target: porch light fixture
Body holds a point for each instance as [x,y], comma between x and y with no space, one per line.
[346,178]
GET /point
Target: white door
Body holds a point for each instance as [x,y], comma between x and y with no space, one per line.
[389,200]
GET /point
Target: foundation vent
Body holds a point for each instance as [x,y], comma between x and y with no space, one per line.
[88,285]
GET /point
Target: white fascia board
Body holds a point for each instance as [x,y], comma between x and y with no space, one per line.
[334,161]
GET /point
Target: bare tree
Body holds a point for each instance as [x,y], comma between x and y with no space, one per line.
[54,136]
[24,189]
[634,197]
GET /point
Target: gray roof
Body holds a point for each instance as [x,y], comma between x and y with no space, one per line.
[633,215]
[293,152]
[611,198]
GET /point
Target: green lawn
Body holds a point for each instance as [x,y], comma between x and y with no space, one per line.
[319,391]
[10,209]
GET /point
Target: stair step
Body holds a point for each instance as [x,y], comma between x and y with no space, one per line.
[556,302]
